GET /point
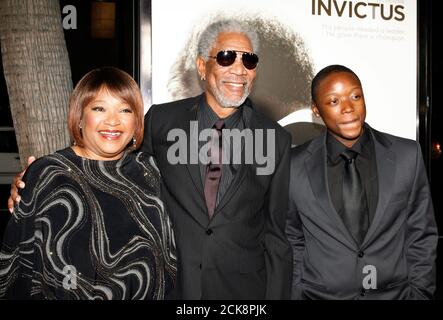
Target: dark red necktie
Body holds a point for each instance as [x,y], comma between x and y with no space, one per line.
[214,169]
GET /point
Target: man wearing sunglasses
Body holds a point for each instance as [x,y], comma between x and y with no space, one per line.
[281,92]
[232,247]
[229,221]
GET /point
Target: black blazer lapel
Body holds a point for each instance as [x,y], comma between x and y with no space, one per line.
[315,165]
[386,168]
[185,124]
[233,187]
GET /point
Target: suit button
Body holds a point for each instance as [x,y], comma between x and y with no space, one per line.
[361,254]
[209,232]
[363,292]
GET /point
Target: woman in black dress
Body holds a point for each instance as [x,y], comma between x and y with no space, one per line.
[91,223]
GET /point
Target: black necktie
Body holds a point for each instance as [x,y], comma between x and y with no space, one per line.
[213,169]
[355,208]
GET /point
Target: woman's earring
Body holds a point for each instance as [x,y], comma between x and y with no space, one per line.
[203,78]
[134,143]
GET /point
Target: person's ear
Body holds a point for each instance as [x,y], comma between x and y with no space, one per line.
[315,110]
[201,68]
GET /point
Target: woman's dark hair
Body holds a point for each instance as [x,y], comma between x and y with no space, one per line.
[119,84]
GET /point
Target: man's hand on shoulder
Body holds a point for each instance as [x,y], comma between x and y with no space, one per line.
[16,184]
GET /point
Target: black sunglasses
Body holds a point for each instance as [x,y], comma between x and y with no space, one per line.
[226,58]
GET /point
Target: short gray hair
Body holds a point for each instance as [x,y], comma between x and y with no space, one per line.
[209,35]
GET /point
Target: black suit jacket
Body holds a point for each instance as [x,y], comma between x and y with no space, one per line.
[401,240]
[242,252]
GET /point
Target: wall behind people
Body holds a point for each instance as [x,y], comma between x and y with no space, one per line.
[358,36]
[87,52]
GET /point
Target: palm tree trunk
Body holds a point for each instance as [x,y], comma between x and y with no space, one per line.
[37,72]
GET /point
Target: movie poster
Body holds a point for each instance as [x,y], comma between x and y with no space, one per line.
[377,39]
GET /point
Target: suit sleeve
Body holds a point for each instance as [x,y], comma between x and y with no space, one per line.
[421,235]
[278,254]
[147,145]
[294,232]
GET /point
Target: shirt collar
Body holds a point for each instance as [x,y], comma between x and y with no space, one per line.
[335,147]
[209,117]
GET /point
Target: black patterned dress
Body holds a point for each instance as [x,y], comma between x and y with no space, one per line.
[88,229]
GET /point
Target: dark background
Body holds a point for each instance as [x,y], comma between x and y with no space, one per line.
[86,53]
[435,172]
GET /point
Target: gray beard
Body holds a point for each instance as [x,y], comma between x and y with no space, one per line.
[231,103]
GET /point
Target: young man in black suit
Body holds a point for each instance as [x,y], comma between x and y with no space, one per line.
[361,221]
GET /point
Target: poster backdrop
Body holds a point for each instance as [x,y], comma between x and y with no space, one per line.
[377,39]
